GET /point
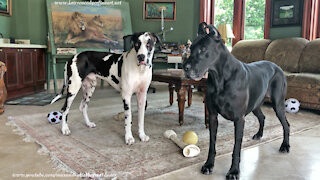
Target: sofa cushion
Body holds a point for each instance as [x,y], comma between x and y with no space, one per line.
[286,53]
[250,50]
[310,57]
[305,80]
[304,86]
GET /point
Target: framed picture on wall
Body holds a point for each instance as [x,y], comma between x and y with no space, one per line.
[88,26]
[152,10]
[286,13]
[5,7]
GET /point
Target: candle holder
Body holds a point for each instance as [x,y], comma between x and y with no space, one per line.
[163,30]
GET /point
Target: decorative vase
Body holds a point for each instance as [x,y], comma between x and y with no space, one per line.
[3,90]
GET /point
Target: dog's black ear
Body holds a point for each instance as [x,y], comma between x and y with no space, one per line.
[127,37]
[156,38]
[127,42]
[214,32]
[131,37]
[158,43]
[202,29]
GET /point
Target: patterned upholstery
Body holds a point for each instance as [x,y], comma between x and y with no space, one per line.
[299,58]
[310,58]
[255,50]
[286,53]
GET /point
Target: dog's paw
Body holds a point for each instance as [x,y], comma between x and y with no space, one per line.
[129,140]
[65,130]
[233,174]
[144,138]
[91,124]
[207,169]
[284,148]
[257,136]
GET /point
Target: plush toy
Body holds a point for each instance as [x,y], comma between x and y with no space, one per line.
[54,117]
[292,105]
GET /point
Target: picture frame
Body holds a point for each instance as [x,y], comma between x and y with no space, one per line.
[286,13]
[88,25]
[152,10]
[6,7]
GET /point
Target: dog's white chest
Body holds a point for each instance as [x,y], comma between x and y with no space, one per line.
[136,79]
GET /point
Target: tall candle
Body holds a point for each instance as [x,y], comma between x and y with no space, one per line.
[162,20]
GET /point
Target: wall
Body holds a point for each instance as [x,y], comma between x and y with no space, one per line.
[38,25]
[5,26]
[285,32]
[28,21]
[185,27]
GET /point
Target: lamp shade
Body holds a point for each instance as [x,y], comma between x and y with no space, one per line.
[225,31]
[229,31]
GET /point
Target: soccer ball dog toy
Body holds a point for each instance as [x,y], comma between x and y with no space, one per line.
[292,105]
[54,117]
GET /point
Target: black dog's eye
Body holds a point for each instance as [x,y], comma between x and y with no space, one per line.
[203,49]
[136,44]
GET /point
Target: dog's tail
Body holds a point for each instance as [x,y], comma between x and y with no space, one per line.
[63,87]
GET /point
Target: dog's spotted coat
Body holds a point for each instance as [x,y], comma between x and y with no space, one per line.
[129,73]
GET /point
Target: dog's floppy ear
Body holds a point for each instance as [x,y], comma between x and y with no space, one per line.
[127,37]
[213,32]
[127,42]
[132,37]
[156,38]
[202,29]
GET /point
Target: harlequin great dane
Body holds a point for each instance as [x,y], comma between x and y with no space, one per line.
[234,90]
[129,73]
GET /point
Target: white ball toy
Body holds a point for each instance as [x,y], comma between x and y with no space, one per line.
[54,117]
[292,105]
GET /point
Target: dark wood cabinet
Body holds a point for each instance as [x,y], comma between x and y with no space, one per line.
[25,70]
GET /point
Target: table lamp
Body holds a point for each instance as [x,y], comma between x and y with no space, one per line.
[225,32]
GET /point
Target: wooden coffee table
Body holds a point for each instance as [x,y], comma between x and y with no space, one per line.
[178,82]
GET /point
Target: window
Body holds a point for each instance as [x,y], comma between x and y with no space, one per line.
[254,19]
[223,19]
[223,12]
[249,19]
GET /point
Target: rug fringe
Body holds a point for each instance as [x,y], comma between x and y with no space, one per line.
[58,165]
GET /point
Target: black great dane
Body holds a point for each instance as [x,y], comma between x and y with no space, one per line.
[234,90]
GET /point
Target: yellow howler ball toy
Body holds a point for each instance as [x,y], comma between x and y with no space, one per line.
[190,137]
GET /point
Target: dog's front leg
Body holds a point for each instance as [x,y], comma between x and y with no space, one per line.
[141,99]
[213,127]
[238,135]
[128,118]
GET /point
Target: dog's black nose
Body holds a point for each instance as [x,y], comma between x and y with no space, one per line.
[141,57]
[187,67]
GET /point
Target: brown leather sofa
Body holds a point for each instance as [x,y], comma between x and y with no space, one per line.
[298,57]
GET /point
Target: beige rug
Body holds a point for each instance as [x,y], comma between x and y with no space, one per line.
[102,150]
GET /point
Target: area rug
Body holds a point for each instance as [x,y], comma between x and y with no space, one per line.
[102,150]
[38,99]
